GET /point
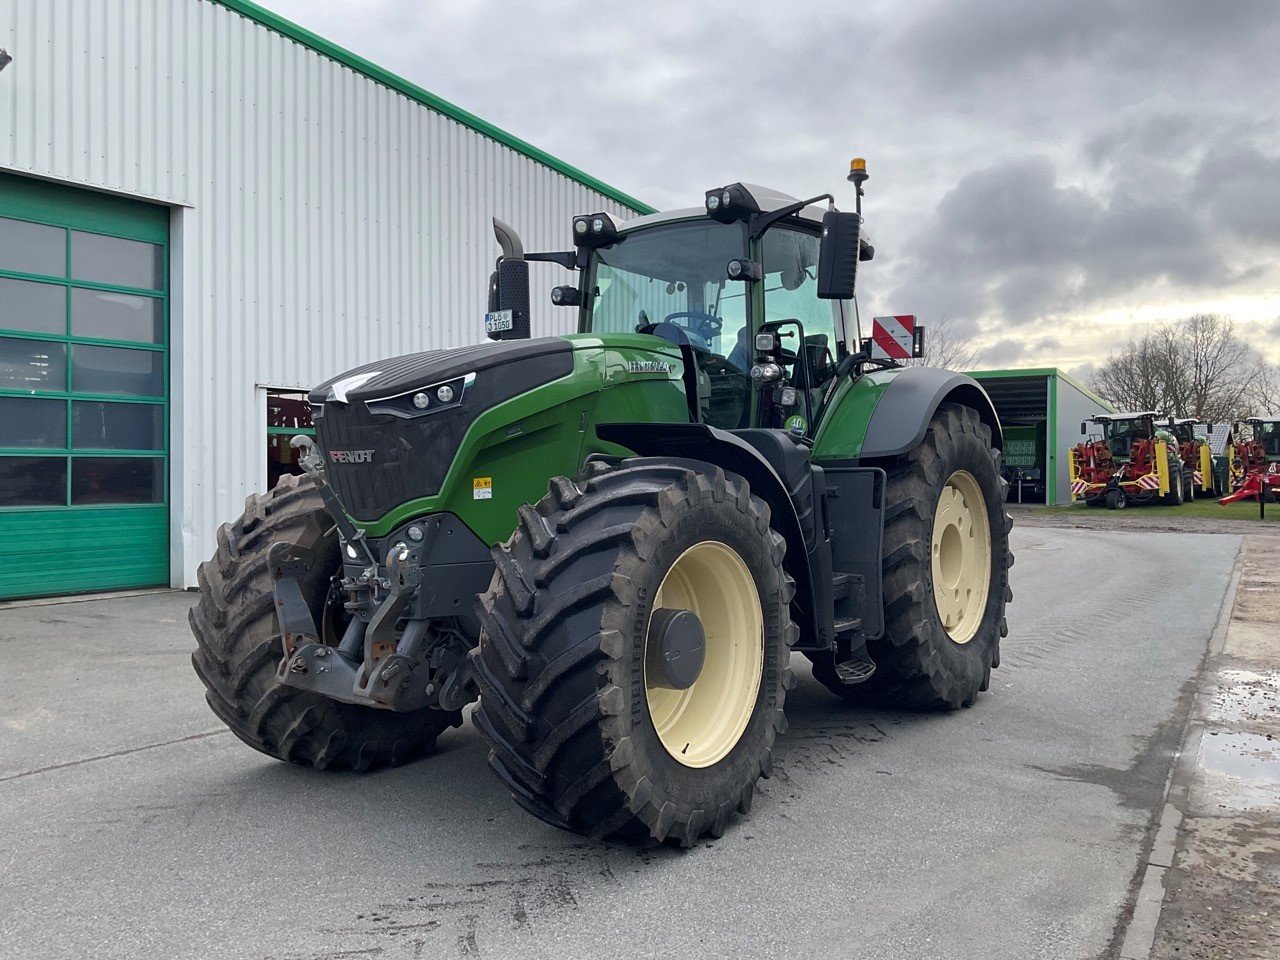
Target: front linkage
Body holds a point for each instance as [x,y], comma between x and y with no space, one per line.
[392,655]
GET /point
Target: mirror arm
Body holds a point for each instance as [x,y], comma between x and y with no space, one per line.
[760,222]
[566,258]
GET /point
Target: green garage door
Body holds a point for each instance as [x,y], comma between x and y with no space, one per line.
[84,391]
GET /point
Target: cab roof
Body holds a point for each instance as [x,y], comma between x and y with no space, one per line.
[766,198]
[1108,417]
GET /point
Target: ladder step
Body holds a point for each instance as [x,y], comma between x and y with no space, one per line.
[855,671]
[848,626]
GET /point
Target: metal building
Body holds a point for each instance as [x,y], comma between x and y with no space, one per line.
[1041,411]
[205,209]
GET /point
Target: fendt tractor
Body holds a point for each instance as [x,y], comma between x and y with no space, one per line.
[1254,464]
[1132,461]
[1195,453]
[615,539]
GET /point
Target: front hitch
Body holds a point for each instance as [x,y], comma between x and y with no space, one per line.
[393,673]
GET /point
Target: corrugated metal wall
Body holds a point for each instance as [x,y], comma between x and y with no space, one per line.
[324,220]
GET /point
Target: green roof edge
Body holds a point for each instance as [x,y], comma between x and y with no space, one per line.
[1042,372]
[303,36]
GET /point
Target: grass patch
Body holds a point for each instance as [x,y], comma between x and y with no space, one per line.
[1243,510]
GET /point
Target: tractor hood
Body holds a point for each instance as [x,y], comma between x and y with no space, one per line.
[388,431]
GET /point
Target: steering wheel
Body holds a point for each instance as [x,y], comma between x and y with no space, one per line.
[707,327]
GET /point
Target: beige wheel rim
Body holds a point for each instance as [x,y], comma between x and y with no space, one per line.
[961,556]
[698,726]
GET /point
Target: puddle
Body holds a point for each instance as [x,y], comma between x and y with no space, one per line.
[1243,768]
[1243,696]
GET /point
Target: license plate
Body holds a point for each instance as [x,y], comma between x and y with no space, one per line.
[498,321]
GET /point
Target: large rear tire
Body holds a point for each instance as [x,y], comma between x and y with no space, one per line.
[238,646]
[589,725]
[945,569]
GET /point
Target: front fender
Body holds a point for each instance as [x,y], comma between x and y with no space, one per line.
[886,413]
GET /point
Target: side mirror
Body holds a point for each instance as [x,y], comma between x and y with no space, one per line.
[838,255]
[1210,426]
[1084,429]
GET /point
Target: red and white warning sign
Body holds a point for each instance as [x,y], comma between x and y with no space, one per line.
[893,338]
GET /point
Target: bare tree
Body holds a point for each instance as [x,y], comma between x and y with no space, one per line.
[946,347]
[1196,367]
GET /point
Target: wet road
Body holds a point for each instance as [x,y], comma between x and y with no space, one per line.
[132,826]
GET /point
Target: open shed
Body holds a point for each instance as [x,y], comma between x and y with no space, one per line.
[1040,410]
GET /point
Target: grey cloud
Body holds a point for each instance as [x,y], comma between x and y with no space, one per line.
[1031,162]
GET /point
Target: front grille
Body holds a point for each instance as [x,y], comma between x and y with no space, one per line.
[375,462]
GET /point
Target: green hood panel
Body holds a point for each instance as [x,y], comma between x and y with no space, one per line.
[511,450]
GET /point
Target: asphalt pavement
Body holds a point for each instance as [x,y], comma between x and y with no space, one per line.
[133,826]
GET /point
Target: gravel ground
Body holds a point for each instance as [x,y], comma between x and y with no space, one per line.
[1151,519]
[133,826]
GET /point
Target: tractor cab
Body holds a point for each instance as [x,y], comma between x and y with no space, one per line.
[1266,435]
[755,288]
[1122,430]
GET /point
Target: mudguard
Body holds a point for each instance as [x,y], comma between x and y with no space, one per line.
[901,417]
[698,441]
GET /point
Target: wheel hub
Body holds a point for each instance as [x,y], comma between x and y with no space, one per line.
[961,555]
[678,639]
[702,696]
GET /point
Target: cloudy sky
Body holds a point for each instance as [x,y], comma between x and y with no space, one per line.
[1047,174]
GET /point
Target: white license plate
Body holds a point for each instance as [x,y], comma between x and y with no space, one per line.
[498,321]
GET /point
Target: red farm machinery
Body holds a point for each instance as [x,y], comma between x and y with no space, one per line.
[1130,460]
[1255,462]
[1195,453]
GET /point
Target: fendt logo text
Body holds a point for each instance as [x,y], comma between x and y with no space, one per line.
[351,456]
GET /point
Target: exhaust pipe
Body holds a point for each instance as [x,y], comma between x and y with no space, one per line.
[508,317]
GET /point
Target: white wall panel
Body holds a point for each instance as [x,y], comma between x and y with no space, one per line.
[324,219]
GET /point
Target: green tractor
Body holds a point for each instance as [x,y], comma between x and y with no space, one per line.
[614,540]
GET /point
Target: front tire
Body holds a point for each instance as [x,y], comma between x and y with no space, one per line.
[946,572]
[238,646]
[587,727]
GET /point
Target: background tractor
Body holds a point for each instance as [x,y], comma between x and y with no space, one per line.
[1195,453]
[1132,460]
[615,539]
[1255,461]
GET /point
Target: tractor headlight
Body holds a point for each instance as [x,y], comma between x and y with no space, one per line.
[595,230]
[731,203]
[424,401]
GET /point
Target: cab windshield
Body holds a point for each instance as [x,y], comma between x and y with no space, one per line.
[671,281]
[1122,433]
[1268,434]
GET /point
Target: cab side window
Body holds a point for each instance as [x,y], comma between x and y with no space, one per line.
[791,294]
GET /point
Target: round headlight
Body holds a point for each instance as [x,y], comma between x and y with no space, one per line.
[444,394]
[415,534]
[421,401]
[597,225]
[725,198]
[713,202]
[557,295]
[580,226]
[735,268]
